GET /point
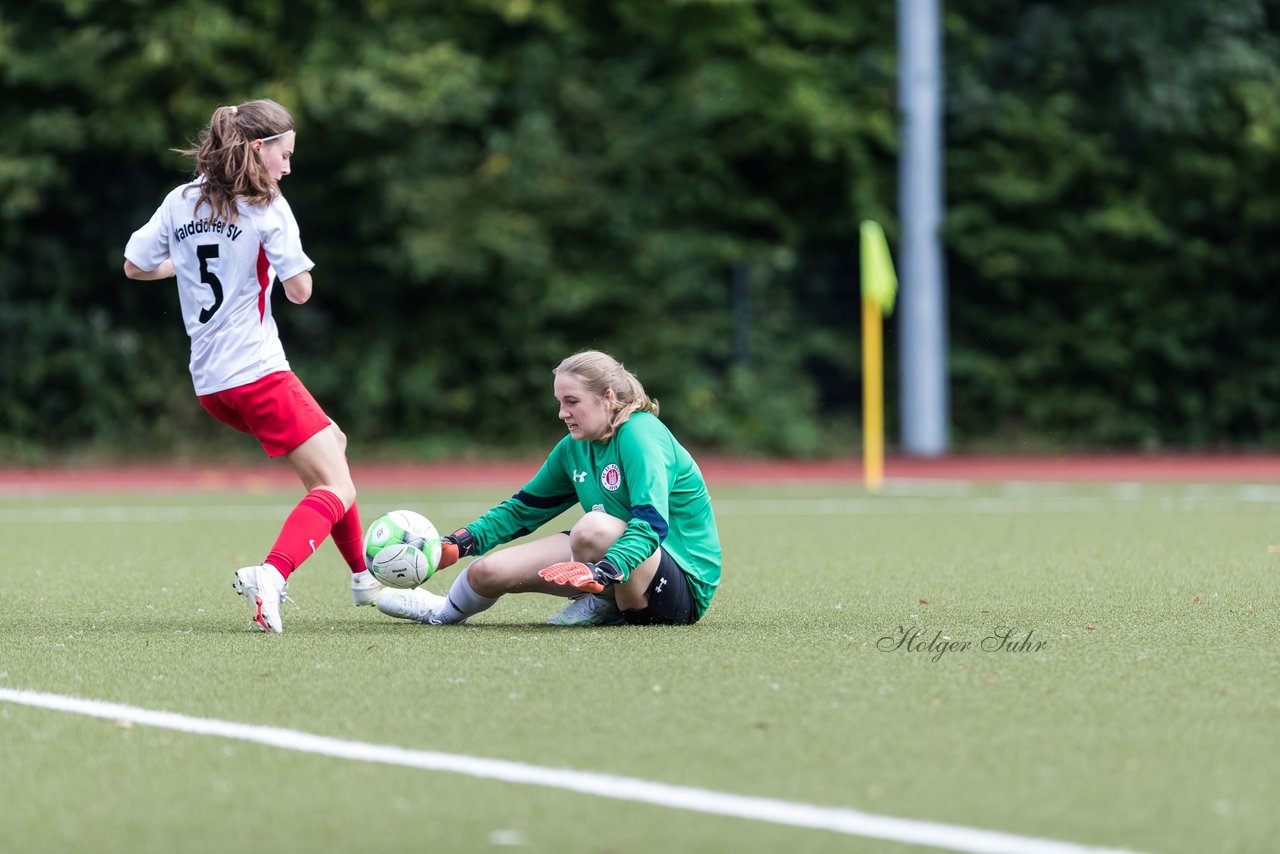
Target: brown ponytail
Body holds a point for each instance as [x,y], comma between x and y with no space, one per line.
[224,156]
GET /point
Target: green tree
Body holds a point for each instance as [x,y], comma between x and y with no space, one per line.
[1111,256]
[487,185]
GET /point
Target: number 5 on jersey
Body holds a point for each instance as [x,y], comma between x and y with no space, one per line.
[204,252]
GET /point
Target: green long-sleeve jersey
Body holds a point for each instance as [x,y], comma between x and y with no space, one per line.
[642,476]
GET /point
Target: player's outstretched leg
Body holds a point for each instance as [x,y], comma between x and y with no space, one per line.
[415,604]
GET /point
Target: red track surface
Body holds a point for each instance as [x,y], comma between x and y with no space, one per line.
[717,471]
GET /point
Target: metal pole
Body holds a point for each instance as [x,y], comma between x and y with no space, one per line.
[922,311]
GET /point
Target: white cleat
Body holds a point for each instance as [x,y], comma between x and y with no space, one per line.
[416,604]
[364,588]
[589,610]
[265,587]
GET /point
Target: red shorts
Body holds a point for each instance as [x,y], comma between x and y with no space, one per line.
[277,410]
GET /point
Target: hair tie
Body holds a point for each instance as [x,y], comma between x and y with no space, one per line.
[234,109]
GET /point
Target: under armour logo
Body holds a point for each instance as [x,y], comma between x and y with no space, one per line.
[579,476]
[662,582]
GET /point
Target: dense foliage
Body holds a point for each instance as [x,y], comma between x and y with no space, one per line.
[1112,225]
[488,185]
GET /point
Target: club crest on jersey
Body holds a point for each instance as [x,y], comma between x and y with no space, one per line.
[611,477]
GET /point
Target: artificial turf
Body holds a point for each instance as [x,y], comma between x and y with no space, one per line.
[1118,687]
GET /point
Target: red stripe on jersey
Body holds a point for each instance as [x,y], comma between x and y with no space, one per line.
[263,282]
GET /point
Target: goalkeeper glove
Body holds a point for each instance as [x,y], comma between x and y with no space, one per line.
[458,544]
[591,577]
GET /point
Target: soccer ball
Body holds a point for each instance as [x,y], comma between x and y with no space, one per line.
[402,549]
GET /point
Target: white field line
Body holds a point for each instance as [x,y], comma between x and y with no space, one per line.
[852,822]
[978,506]
[1012,502]
[176,512]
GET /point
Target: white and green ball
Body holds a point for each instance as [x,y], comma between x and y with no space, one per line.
[402,549]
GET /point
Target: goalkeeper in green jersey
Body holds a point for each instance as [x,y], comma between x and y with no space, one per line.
[644,551]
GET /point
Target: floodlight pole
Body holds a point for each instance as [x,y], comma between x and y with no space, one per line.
[922,307]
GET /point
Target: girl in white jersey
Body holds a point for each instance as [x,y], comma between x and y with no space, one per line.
[226,236]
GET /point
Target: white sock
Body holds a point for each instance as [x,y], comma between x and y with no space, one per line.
[462,602]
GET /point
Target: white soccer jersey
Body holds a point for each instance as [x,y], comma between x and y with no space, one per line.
[225,272]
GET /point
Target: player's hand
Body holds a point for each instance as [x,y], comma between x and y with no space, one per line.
[591,577]
[458,544]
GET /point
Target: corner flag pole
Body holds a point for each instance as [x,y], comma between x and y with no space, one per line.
[879,287]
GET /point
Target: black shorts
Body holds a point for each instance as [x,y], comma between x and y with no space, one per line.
[670,599]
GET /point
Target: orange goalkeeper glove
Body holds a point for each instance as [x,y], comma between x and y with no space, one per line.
[591,577]
[458,544]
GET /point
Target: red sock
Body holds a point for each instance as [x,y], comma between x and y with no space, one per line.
[305,529]
[348,536]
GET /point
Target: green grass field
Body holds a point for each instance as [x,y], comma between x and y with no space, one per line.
[1148,718]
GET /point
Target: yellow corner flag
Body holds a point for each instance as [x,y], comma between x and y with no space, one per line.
[879,283]
[879,287]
